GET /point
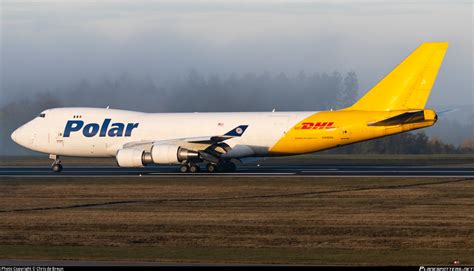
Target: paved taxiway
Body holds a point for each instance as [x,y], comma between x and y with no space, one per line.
[242,171]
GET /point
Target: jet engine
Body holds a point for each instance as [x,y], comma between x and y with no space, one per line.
[171,154]
[130,157]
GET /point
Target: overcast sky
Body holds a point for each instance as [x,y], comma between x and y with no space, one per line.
[51,43]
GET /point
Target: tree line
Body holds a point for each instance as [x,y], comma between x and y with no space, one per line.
[213,93]
[405,143]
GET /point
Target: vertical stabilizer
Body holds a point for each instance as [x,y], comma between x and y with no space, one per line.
[409,85]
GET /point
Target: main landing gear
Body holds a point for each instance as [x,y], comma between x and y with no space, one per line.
[211,167]
[221,167]
[189,167]
[56,166]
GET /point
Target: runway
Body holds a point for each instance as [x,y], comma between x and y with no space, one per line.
[244,171]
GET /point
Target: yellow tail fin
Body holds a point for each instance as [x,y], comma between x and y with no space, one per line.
[409,84]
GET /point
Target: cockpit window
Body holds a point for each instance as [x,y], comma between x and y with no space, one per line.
[42,115]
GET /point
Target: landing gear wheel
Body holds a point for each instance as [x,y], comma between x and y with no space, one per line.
[184,168]
[57,167]
[194,168]
[211,168]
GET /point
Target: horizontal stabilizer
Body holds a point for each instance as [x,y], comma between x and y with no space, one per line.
[447,111]
[406,118]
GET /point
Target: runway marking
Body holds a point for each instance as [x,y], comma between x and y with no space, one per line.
[301,171]
[245,171]
[224,173]
[396,171]
[242,167]
[178,175]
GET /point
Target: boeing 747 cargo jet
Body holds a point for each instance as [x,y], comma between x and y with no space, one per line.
[395,105]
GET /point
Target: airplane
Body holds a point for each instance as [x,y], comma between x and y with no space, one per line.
[394,105]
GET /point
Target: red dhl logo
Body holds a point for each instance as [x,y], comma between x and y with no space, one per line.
[317,125]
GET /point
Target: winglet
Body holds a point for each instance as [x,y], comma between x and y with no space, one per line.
[237,131]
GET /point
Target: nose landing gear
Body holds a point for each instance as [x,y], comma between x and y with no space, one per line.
[56,166]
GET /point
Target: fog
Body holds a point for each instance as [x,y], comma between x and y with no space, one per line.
[243,55]
[194,92]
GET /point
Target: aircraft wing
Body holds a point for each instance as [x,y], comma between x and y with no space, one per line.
[197,141]
[236,132]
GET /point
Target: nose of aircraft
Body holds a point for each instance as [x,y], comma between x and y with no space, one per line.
[20,136]
[14,136]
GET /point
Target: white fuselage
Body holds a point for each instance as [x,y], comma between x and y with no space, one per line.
[46,133]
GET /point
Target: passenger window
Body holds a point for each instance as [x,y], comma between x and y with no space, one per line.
[42,115]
